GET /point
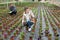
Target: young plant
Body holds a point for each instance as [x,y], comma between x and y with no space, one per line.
[22,36]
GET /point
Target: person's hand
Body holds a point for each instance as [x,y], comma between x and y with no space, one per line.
[33,20]
[24,23]
[10,12]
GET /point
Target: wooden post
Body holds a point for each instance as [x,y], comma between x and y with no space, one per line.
[7,4]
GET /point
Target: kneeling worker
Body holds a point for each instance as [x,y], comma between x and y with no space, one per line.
[12,9]
[28,18]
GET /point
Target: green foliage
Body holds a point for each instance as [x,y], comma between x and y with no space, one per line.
[0,23]
[47,28]
[21,35]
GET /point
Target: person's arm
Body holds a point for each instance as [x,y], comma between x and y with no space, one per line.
[33,19]
[32,14]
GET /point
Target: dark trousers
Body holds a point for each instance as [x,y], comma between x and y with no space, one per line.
[14,12]
[29,23]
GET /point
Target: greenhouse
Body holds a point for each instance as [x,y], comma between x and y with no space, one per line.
[29,19]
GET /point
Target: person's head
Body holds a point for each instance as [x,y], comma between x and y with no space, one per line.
[11,4]
[27,9]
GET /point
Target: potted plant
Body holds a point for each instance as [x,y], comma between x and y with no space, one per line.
[32,33]
[15,34]
[30,38]
[17,31]
[11,29]
[55,30]
[56,38]
[47,31]
[3,30]
[0,23]
[1,38]
[8,32]
[0,27]
[39,38]
[22,36]
[33,29]
[12,38]
[49,37]
[57,35]
[19,28]
[5,35]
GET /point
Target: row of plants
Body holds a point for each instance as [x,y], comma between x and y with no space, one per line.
[0,30]
[55,20]
[40,29]
[11,25]
[56,16]
[14,27]
[16,32]
[0,25]
[8,32]
[9,20]
[53,26]
[48,34]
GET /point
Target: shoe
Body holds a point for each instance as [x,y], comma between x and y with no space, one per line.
[29,29]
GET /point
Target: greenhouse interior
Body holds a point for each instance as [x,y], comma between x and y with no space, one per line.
[29,19]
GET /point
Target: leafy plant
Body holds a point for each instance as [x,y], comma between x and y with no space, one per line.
[21,35]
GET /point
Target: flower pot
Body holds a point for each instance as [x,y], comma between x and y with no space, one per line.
[3,30]
[56,38]
[17,31]
[57,35]
[4,24]
[15,34]
[33,30]
[0,27]
[9,32]
[12,38]
[22,36]
[39,37]
[1,38]
[5,35]
[49,37]
[30,38]
[26,28]
[46,32]
[41,33]
[6,28]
